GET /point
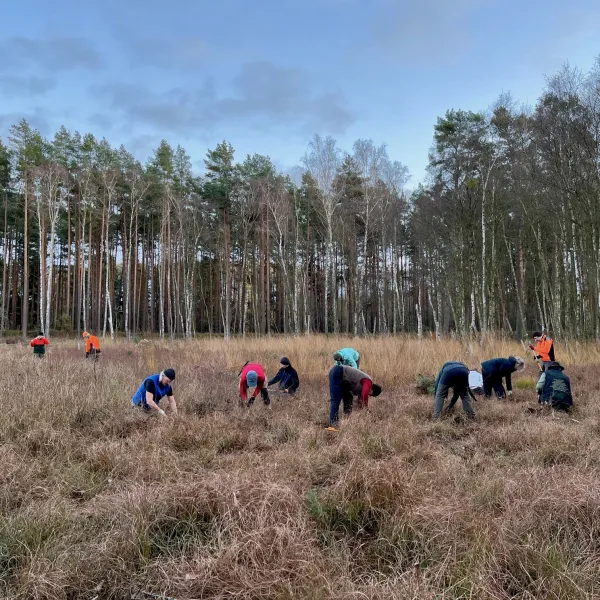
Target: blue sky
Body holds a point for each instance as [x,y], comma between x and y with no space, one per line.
[268,74]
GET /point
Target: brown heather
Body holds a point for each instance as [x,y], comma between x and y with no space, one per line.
[99,501]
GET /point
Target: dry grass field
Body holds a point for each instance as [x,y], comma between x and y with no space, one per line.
[99,501]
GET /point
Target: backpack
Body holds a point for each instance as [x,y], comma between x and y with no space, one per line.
[557,390]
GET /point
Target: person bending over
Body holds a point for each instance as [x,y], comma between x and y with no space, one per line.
[453,375]
[497,369]
[348,357]
[253,376]
[153,389]
[344,384]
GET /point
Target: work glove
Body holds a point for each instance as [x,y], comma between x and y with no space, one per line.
[531,347]
[509,393]
[286,391]
[162,413]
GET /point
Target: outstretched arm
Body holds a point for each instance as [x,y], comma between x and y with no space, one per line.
[276,378]
[152,405]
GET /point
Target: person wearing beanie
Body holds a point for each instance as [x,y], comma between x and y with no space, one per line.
[348,357]
[543,349]
[497,369]
[453,375]
[287,377]
[39,344]
[92,345]
[345,383]
[152,389]
[253,375]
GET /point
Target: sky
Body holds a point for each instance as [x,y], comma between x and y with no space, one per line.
[266,75]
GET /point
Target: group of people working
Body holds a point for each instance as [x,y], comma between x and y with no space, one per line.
[346,382]
[553,386]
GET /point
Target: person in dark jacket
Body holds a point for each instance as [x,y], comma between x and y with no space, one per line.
[497,369]
[453,375]
[344,384]
[287,377]
[554,387]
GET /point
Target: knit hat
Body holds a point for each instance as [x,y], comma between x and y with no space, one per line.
[170,373]
[252,379]
[41,333]
[537,334]
[285,361]
[85,334]
[376,389]
[337,356]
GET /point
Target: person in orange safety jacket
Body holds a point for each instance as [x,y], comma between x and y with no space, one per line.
[92,345]
[544,348]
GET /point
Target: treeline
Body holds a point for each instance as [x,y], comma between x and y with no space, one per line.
[504,235]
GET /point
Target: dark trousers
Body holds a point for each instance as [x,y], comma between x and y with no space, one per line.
[93,353]
[338,392]
[493,383]
[459,392]
[264,395]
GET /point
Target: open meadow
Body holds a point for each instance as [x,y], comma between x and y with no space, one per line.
[98,500]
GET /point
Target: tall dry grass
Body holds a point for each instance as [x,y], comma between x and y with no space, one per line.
[100,501]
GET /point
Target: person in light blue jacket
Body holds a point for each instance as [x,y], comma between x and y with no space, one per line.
[347,357]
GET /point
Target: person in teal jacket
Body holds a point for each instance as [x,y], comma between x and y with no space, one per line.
[347,357]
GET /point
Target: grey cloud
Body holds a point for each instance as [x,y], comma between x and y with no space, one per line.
[103,121]
[160,52]
[53,54]
[25,85]
[263,97]
[416,33]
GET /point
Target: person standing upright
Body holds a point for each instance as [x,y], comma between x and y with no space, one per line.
[39,344]
[543,349]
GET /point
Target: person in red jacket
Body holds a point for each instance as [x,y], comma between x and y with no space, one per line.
[253,376]
[39,344]
[544,348]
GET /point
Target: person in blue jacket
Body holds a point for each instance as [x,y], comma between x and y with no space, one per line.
[453,375]
[497,369]
[347,357]
[152,389]
[287,377]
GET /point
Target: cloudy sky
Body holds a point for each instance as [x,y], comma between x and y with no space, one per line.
[267,74]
